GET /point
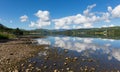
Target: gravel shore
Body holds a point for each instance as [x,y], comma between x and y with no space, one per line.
[12,52]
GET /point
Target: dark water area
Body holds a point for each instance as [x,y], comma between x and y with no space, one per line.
[75,54]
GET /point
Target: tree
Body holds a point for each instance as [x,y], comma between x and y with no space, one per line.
[18,32]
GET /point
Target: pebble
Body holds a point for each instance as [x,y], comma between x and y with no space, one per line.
[54,64]
[65,63]
[15,70]
[62,69]
[86,69]
[34,62]
[70,71]
[46,58]
[118,71]
[83,59]
[66,51]
[92,69]
[45,67]
[90,60]
[66,58]
[29,65]
[38,69]
[27,70]
[22,64]
[75,58]
[67,68]
[56,70]
[81,68]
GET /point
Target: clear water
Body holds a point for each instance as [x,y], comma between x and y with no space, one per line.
[94,46]
[101,54]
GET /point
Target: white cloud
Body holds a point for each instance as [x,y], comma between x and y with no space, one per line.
[111,25]
[106,17]
[88,25]
[116,11]
[109,9]
[43,19]
[43,15]
[65,27]
[24,18]
[32,24]
[86,12]
[85,20]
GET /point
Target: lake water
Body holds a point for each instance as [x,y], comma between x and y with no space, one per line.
[78,53]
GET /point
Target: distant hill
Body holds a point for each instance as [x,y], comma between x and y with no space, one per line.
[85,30]
[104,31]
[5,29]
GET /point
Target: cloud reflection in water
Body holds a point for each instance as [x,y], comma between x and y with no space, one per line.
[83,44]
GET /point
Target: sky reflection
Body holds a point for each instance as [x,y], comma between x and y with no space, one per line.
[108,47]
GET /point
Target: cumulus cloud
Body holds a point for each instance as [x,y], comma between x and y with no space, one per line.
[86,19]
[109,8]
[24,18]
[86,12]
[106,17]
[111,25]
[43,19]
[116,11]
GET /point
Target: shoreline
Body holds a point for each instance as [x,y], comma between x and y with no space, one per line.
[24,55]
[13,52]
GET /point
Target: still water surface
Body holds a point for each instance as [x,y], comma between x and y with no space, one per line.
[101,54]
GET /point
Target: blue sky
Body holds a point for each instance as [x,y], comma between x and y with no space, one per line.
[59,14]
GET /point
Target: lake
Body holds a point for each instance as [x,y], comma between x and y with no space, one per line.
[78,54]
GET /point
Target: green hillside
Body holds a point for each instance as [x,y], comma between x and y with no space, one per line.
[8,33]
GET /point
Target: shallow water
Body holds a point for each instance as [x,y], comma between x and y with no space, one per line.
[78,54]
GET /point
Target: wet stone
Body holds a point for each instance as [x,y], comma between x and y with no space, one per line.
[66,58]
[75,58]
[22,64]
[70,71]
[38,69]
[54,64]
[56,70]
[29,65]
[45,67]
[65,63]
[67,68]
[90,60]
[27,70]
[93,69]
[66,51]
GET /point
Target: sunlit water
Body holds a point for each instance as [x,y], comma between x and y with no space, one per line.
[101,54]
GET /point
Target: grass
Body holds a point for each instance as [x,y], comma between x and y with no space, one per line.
[4,35]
